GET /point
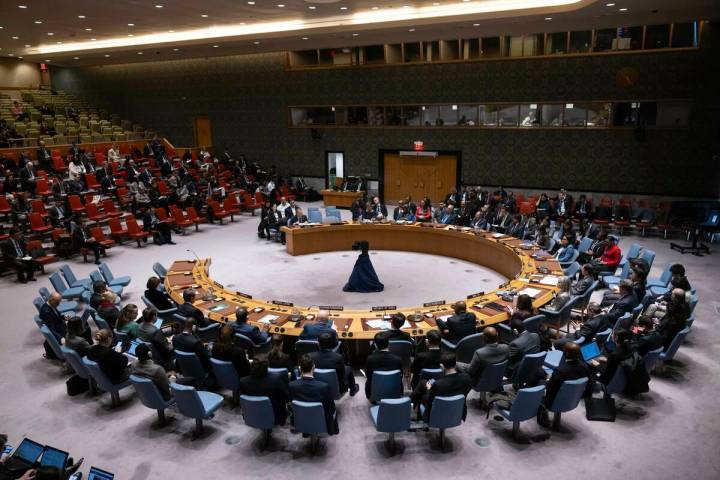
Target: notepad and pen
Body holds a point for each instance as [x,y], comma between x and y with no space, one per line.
[384,324]
[530,292]
[268,319]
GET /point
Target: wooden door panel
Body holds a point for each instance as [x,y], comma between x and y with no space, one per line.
[418,177]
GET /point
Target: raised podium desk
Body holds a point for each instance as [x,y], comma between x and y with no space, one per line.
[501,253]
[340,199]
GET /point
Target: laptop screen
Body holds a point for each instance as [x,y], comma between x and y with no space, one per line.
[158,323]
[133,346]
[590,351]
[97,474]
[54,457]
[29,451]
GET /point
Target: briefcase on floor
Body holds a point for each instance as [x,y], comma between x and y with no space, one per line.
[600,409]
[77,385]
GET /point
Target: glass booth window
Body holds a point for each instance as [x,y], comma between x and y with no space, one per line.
[447,115]
[313,116]
[429,115]
[468,115]
[529,115]
[684,35]
[556,43]
[657,36]
[507,115]
[488,115]
[376,116]
[393,116]
[580,41]
[412,115]
[551,115]
[605,39]
[673,114]
[357,115]
[629,38]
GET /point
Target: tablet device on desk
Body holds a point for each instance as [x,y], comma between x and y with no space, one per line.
[590,351]
[54,458]
[97,474]
[25,455]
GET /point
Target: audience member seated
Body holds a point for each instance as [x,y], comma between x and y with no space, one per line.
[606,366]
[224,349]
[525,343]
[522,311]
[157,295]
[610,258]
[187,341]
[397,320]
[423,213]
[587,277]
[112,363]
[127,321]
[597,322]
[162,233]
[566,251]
[277,358]
[572,367]
[429,358]
[460,325]
[597,248]
[452,382]
[75,339]
[647,337]
[307,389]
[626,302]
[491,352]
[81,239]
[51,317]
[252,332]
[322,324]
[148,332]
[260,384]
[16,253]
[188,310]
[145,367]
[562,296]
[637,278]
[380,360]
[669,316]
[327,358]
[103,301]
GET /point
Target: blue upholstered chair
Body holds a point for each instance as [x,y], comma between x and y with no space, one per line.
[65,292]
[63,308]
[386,384]
[329,376]
[102,381]
[309,419]
[190,366]
[669,354]
[159,270]
[248,345]
[192,403]
[446,412]
[391,416]
[227,377]
[526,372]
[96,277]
[72,280]
[532,324]
[524,407]
[572,269]
[304,347]
[72,357]
[54,344]
[430,373]
[466,347]
[651,359]
[258,413]
[150,396]
[403,349]
[663,280]
[314,216]
[491,379]
[168,312]
[111,279]
[560,318]
[567,399]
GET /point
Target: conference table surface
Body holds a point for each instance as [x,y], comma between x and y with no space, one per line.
[528,269]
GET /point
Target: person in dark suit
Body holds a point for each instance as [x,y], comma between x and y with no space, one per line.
[51,318]
[327,358]
[676,315]
[307,389]
[277,358]
[15,251]
[606,366]
[448,217]
[587,277]
[152,223]
[157,296]
[148,332]
[260,384]
[430,358]
[515,228]
[625,303]
[647,338]
[322,324]
[224,349]
[28,176]
[241,326]
[44,157]
[187,341]
[297,217]
[270,218]
[491,352]
[526,343]
[381,360]
[74,338]
[379,209]
[58,214]
[450,384]
[572,367]
[81,239]
[459,325]
[597,322]
[394,333]
[189,310]
[113,364]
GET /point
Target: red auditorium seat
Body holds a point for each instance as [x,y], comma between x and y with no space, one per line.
[192,215]
[98,234]
[117,232]
[37,225]
[135,231]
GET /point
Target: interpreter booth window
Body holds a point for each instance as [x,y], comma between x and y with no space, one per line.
[673,114]
[556,43]
[429,115]
[605,39]
[376,116]
[551,115]
[529,115]
[684,35]
[357,115]
[507,115]
[447,115]
[657,36]
[629,38]
[580,41]
[393,115]
[468,115]
[635,114]
[490,47]
[312,116]
[412,115]
[488,115]
[341,115]
[586,114]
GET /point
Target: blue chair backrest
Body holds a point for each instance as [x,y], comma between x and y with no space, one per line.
[572,270]
[569,395]
[532,324]
[257,412]
[386,384]
[648,256]
[98,375]
[147,302]
[693,302]
[281,373]
[465,348]
[330,218]
[57,283]
[618,382]
[329,376]
[309,417]
[96,277]
[624,322]
[159,270]
[188,401]
[54,344]
[101,323]
[315,216]
[225,374]
[666,275]
[428,373]
[585,297]
[394,415]
[602,337]
[633,251]
[68,274]
[625,272]
[403,349]
[566,310]
[38,302]
[690,320]
[44,293]
[86,295]
[585,244]
[105,270]
[637,310]
[528,368]
[244,342]
[72,357]
[651,358]
[190,365]
[447,412]
[148,392]
[526,403]
[491,377]
[38,321]
[673,348]
[303,347]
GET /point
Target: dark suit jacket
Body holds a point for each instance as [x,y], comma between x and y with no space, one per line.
[161,300]
[491,353]
[622,306]
[110,362]
[310,390]
[567,370]
[331,360]
[459,326]
[526,342]
[268,386]
[189,310]
[250,331]
[295,219]
[580,287]
[393,334]
[426,359]
[591,328]
[53,320]
[382,361]
[8,249]
[234,354]
[191,344]
[311,331]
[447,386]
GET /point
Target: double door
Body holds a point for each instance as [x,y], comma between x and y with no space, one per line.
[418,176]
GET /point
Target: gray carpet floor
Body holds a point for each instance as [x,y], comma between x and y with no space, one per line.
[672,432]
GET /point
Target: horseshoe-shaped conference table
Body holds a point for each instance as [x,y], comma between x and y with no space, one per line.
[528,269]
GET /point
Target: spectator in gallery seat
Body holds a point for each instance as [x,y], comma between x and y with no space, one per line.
[380,360]
[597,247]
[74,338]
[322,324]
[277,358]
[562,296]
[103,301]
[450,384]
[16,253]
[242,327]
[145,367]
[522,311]
[597,322]
[327,358]
[188,310]
[157,295]
[187,341]
[606,366]
[379,210]
[448,217]
[587,277]
[162,231]
[260,384]
[148,332]
[516,228]
[423,213]
[525,343]
[113,364]
[491,352]
[51,317]
[307,389]
[394,333]
[566,251]
[460,325]
[126,321]
[224,349]
[572,367]
[610,258]
[81,239]
[430,358]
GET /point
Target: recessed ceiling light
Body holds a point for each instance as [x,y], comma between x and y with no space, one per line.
[1,28]
[406,6]
[76,58]
[355,34]
[158,6]
[93,39]
[140,53]
[81,16]
[476,24]
[204,15]
[343,8]
[130,35]
[436,4]
[50,34]
[176,49]
[256,43]
[374,8]
[27,46]
[312,7]
[281,5]
[20,58]
[171,31]
[10,55]
[22,6]
[59,43]
[623,9]
[38,22]
[131,24]
[609,4]
[466,0]
[548,18]
[88,29]
[411,30]
[16,38]
[107,55]
[304,38]
[216,46]
[48,61]
[251,3]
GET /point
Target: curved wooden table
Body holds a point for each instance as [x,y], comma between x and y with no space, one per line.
[500,253]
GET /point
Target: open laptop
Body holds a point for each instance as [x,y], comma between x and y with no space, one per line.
[590,351]
[97,474]
[54,458]
[25,456]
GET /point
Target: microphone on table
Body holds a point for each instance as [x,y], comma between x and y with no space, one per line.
[193,252]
